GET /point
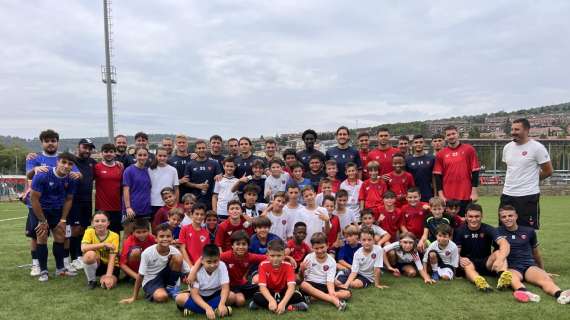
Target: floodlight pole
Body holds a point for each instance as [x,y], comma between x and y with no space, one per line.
[108,79]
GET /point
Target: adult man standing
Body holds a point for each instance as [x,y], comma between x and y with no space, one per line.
[363,139]
[179,161]
[270,151]
[168,145]
[216,149]
[420,165]
[108,175]
[233,147]
[475,241]
[141,140]
[343,153]
[527,162]
[456,170]
[309,137]
[404,145]
[121,145]
[384,153]
[200,174]
[245,159]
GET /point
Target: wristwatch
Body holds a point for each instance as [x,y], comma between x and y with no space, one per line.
[62,220]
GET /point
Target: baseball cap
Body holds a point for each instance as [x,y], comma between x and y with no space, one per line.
[88,142]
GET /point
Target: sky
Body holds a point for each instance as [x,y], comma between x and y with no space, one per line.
[251,68]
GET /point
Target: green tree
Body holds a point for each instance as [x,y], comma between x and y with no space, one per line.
[13,159]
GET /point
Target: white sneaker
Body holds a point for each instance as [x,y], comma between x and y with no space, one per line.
[564,297]
[65,273]
[35,271]
[77,264]
[69,267]
[44,276]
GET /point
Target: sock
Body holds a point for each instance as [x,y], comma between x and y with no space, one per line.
[59,254]
[74,247]
[42,254]
[90,271]
[557,293]
[35,262]
[66,262]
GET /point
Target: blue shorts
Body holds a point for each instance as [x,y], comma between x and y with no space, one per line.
[80,214]
[522,266]
[52,216]
[157,283]
[344,274]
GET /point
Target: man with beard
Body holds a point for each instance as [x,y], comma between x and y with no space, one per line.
[528,163]
[216,149]
[245,159]
[456,170]
[384,153]
[167,145]
[309,137]
[404,145]
[179,160]
[343,153]
[363,139]
[200,174]
[82,209]
[108,175]
[233,147]
[420,165]
[122,156]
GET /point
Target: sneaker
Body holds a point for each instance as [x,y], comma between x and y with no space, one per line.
[253,306]
[91,285]
[482,285]
[217,312]
[307,299]
[65,273]
[342,305]
[35,271]
[301,306]
[564,297]
[435,276]
[505,280]
[526,296]
[172,291]
[187,312]
[77,264]
[44,276]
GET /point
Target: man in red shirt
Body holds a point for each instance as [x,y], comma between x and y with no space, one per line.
[108,175]
[136,243]
[277,283]
[235,222]
[384,153]
[193,237]
[456,170]
[414,215]
[363,144]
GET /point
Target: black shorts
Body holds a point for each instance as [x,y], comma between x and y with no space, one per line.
[343,276]
[52,216]
[321,287]
[480,265]
[247,289]
[521,266]
[528,209]
[102,270]
[80,214]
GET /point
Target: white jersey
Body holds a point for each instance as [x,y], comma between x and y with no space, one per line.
[292,214]
[364,264]
[405,257]
[223,189]
[208,284]
[276,184]
[280,224]
[353,190]
[449,255]
[345,218]
[320,198]
[160,178]
[185,221]
[523,167]
[378,231]
[312,220]
[318,272]
[153,262]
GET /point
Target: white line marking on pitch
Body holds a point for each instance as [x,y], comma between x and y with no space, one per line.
[12,219]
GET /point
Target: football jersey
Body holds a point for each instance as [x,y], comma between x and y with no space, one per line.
[199,172]
[319,272]
[421,169]
[456,166]
[194,240]
[389,221]
[312,220]
[91,237]
[413,218]
[449,254]
[476,244]
[255,245]
[399,184]
[431,223]
[342,157]
[131,243]
[223,189]
[276,184]
[276,279]
[138,181]
[372,193]
[209,283]
[225,230]
[53,188]
[353,190]
[298,252]
[304,156]
[364,159]
[280,224]
[238,267]
[179,163]
[405,257]
[522,241]
[364,263]
[84,191]
[243,165]
[384,158]
[334,231]
[108,186]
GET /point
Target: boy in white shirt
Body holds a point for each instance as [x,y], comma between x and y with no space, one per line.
[280,221]
[223,189]
[316,218]
[442,255]
[210,292]
[318,270]
[325,185]
[352,186]
[277,181]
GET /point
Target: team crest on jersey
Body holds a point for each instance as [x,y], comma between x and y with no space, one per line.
[209,168]
[373,256]
[481,235]
[523,236]
[51,184]
[447,252]
[230,233]
[283,222]
[325,268]
[524,153]
[202,238]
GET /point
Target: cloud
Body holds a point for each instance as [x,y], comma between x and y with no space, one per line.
[259,67]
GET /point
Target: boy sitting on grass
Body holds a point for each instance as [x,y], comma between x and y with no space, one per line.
[297,248]
[442,255]
[211,288]
[277,283]
[346,253]
[235,222]
[133,247]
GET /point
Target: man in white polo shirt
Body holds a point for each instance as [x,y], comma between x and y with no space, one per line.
[527,162]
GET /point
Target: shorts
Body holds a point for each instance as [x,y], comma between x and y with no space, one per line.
[52,216]
[447,272]
[80,214]
[441,266]
[521,266]
[248,289]
[322,287]
[400,266]
[480,265]
[528,209]
[102,270]
[343,275]
[159,282]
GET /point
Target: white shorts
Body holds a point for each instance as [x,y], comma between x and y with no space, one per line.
[445,272]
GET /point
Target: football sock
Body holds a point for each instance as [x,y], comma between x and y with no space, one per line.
[42,254]
[90,271]
[59,254]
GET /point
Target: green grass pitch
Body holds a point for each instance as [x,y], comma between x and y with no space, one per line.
[23,297]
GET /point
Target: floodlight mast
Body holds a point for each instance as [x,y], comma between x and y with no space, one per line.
[108,78]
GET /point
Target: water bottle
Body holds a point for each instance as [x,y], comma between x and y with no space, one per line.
[205,191]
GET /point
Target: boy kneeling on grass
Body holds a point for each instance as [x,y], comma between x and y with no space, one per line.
[210,291]
[160,268]
[277,283]
[318,271]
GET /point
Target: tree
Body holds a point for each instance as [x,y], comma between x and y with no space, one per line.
[474,133]
[13,159]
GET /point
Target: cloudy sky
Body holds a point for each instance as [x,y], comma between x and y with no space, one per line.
[265,67]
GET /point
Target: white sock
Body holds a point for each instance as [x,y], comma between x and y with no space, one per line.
[35,262]
[66,261]
[90,271]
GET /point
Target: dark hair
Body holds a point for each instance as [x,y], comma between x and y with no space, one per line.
[67,156]
[443,229]
[452,203]
[524,123]
[210,251]
[276,245]
[389,194]
[232,139]
[330,162]
[350,165]
[246,139]
[329,198]
[299,224]
[383,129]
[366,212]
[309,131]
[239,235]
[176,211]
[199,206]
[414,189]
[141,223]
[293,186]
[341,193]
[108,147]
[141,148]
[141,134]
[398,155]
[49,134]
[507,207]
[216,137]
[342,128]
[316,156]
[363,134]
[276,161]
[296,165]
[162,227]
[437,136]
[307,188]
[251,188]
[450,128]
[417,136]
[474,207]
[270,141]
[281,194]
[258,163]
[318,238]
[367,230]
[261,221]
[154,162]
[211,213]
[234,202]
[229,159]
[199,141]
[120,136]
[288,152]
[166,190]
[101,212]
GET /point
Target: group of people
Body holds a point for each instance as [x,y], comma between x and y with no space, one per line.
[277,231]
